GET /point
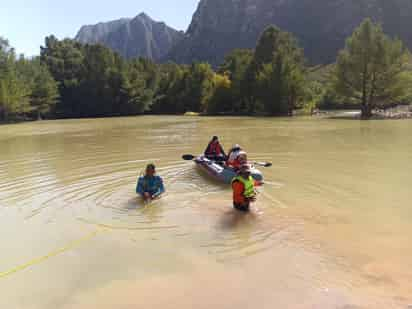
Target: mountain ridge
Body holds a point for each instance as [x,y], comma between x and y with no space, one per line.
[140,36]
[321,27]
[219,26]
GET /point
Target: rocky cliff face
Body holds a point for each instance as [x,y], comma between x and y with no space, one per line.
[132,38]
[93,34]
[321,26]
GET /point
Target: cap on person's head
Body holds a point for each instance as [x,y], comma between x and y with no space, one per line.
[215,138]
[236,146]
[151,166]
[242,154]
[245,168]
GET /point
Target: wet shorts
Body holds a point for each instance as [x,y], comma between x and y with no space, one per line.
[244,208]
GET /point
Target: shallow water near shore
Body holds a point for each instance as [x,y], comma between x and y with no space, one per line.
[331,228]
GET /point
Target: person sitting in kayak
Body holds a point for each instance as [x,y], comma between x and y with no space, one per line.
[243,189]
[150,186]
[234,152]
[237,159]
[214,151]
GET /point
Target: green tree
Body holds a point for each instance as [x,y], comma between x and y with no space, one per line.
[198,87]
[44,92]
[169,93]
[314,94]
[277,73]
[235,66]
[99,82]
[13,96]
[221,101]
[372,69]
[95,81]
[141,84]
[136,97]
[65,60]
[14,92]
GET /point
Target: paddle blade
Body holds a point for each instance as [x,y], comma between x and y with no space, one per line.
[188,157]
[263,164]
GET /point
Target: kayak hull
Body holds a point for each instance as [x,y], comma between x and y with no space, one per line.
[223,173]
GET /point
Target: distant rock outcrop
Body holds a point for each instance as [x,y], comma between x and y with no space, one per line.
[132,38]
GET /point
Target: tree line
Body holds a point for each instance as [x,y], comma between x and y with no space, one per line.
[71,80]
[27,88]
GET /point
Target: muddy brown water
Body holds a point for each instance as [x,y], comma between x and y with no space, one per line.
[332,226]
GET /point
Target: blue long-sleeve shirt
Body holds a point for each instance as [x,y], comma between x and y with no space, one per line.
[153,185]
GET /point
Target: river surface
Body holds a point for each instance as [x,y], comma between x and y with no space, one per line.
[332,227]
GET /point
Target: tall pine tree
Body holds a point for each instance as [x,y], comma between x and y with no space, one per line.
[372,69]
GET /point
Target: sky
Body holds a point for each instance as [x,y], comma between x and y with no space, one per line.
[25,23]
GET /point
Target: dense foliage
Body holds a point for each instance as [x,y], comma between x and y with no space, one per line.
[94,81]
[27,88]
[278,66]
[71,80]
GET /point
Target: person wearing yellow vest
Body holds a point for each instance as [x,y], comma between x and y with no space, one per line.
[243,189]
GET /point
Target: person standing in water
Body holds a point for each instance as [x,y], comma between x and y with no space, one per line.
[243,186]
[150,186]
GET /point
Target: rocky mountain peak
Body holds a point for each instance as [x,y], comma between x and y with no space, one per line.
[132,38]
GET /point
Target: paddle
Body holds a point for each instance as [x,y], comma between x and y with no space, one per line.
[189,157]
[263,164]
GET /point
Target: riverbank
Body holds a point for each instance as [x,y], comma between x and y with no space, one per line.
[400,112]
[17,120]
[396,113]
[2,123]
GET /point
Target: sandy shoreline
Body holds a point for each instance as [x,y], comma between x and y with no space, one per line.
[397,113]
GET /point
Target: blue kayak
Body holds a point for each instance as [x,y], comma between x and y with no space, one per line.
[223,173]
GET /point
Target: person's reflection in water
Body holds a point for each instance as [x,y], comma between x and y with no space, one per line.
[151,213]
[236,219]
[239,232]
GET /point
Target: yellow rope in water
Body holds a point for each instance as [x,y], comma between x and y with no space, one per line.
[70,246]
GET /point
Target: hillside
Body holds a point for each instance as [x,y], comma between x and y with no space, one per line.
[321,26]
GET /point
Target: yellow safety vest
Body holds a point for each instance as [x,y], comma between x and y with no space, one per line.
[249,185]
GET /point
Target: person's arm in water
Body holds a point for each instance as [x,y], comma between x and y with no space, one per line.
[161,188]
[253,198]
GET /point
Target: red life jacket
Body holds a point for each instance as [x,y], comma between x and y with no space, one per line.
[215,149]
[235,164]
